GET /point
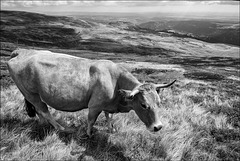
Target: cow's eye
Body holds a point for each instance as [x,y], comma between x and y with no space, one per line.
[144,106]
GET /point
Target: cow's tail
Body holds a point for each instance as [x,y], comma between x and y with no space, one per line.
[30,109]
[14,53]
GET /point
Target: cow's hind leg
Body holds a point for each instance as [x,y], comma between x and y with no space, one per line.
[31,111]
[42,110]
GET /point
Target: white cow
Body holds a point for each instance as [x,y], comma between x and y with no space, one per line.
[69,83]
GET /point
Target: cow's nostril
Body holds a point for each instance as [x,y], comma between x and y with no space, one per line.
[157,128]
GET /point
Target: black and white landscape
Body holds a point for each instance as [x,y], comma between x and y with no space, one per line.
[200,49]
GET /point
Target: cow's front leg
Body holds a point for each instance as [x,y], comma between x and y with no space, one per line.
[109,122]
[92,117]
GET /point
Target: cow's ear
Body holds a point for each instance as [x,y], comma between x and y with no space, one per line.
[126,94]
[159,90]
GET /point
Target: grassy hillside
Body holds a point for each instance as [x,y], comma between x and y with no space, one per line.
[200,124]
[38,30]
[200,115]
[200,112]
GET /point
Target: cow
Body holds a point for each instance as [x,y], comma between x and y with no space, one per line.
[69,83]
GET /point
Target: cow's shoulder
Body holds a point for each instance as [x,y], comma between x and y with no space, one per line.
[106,65]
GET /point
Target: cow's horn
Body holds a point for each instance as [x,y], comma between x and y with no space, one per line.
[134,92]
[164,85]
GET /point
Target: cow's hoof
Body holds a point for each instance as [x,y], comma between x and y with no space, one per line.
[89,135]
[69,130]
[112,130]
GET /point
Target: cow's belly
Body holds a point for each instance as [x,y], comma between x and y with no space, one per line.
[73,99]
[65,92]
[66,105]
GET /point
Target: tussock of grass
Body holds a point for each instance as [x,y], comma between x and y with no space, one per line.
[199,124]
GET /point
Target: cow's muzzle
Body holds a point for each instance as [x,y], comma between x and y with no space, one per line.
[157,128]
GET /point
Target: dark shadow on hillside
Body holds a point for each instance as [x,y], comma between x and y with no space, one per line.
[99,145]
[37,131]
[112,46]
[95,147]
[40,131]
[206,61]
[207,76]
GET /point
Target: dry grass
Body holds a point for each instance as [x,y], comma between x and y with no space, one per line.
[194,130]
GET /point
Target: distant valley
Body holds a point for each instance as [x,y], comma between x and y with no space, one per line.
[209,31]
[129,34]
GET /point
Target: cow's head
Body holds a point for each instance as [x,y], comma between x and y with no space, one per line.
[145,101]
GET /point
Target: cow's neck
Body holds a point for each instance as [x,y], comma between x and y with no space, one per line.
[127,81]
[123,105]
[119,104]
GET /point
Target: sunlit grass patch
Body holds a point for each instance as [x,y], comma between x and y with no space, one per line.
[18,145]
[191,108]
[12,103]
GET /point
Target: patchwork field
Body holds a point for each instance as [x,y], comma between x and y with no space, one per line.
[200,112]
